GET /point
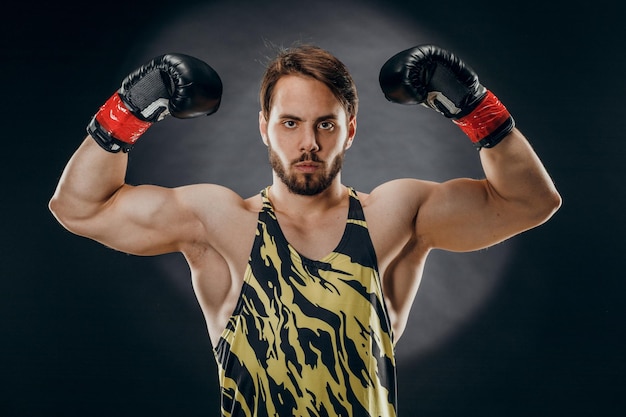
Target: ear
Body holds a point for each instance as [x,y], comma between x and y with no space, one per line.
[351,131]
[263,127]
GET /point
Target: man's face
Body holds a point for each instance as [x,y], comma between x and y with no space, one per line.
[307,134]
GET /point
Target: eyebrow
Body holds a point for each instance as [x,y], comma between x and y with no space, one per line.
[319,119]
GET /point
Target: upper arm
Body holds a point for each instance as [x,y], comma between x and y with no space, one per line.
[467,214]
[151,220]
[458,215]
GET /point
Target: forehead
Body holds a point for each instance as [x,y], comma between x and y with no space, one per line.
[301,92]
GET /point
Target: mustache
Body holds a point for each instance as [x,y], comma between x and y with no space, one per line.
[307,157]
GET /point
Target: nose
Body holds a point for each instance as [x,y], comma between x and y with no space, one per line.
[308,142]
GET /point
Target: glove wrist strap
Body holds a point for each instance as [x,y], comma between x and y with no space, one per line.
[114,127]
[488,123]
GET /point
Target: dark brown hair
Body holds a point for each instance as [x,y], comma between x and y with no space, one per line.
[310,61]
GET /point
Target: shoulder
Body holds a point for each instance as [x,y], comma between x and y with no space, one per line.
[219,212]
[408,193]
[391,210]
[215,198]
[225,221]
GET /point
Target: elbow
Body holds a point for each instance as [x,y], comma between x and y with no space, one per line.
[552,202]
[64,214]
[60,212]
[557,201]
[55,206]
[545,206]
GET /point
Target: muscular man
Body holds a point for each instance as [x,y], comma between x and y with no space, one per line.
[307,286]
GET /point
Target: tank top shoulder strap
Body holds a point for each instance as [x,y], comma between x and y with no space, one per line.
[267,205]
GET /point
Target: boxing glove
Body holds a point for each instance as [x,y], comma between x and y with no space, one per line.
[175,84]
[436,78]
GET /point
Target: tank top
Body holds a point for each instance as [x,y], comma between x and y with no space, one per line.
[309,337]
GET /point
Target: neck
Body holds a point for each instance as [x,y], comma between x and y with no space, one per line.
[285,201]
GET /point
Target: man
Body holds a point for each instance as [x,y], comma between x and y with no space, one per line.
[307,286]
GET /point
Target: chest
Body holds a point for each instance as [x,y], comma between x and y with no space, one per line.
[314,237]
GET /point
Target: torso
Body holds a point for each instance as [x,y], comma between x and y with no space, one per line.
[218,269]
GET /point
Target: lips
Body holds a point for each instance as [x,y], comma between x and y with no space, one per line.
[307,167]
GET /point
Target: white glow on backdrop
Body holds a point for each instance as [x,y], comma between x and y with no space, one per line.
[393,141]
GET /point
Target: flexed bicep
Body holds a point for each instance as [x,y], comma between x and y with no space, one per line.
[461,215]
[145,220]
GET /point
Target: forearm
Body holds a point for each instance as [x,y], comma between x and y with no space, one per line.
[89,181]
[517,178]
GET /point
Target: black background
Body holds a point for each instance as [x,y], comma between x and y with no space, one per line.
[551,343]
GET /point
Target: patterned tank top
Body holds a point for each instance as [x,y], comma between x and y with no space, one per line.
[309,338]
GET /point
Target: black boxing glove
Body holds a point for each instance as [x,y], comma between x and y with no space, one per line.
[175,84]
[436,78]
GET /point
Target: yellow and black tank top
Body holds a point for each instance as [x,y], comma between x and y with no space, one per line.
[309,337]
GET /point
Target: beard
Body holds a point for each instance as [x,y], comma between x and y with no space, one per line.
[307,184]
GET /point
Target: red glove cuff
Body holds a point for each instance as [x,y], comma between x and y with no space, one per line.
[119,122]
[487,118]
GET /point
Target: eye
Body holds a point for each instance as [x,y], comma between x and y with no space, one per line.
[326,125]
[289,124]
